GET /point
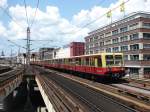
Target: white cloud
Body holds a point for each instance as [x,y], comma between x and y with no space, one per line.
[2,30]
[87,16]
[48,25]
[3,3]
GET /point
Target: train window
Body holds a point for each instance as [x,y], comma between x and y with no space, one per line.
[99,62]
[109,57]
[63,61]
[87,61]
[109,60]
[82,61]
[73,61]
[92,61]
[118,60]
[78,61]
[118,57]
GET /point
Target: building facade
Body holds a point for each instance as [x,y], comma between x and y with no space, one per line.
[44,53]
[76,48]
[72,49]
[131,36]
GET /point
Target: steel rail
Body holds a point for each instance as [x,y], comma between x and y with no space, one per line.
[5,77]
[108,88]
[85,100]
[60,99]
[93,107]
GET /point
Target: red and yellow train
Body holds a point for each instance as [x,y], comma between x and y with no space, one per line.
[106,65]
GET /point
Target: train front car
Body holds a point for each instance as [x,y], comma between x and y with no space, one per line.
[114,65]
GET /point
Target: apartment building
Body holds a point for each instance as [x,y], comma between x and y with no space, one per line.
[130,35]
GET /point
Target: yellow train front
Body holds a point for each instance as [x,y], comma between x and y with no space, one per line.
[101,65]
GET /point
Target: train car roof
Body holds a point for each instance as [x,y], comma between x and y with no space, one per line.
[89,55]
[97,54]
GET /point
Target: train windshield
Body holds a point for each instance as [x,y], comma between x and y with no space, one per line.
[114,60]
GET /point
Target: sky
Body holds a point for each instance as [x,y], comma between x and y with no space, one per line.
[58,22]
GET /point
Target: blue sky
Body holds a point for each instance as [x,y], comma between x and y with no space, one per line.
[55,18]
[67,9]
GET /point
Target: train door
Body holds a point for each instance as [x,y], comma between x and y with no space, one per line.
[99,61]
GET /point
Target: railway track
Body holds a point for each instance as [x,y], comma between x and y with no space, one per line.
[95,100]
[10,75]
[61,100]
[140,83]
[4,69]
[142,90]
[114,92]
[137,92]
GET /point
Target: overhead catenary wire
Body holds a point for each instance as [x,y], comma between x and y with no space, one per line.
[13,19]
[34,18]
[84,26]
[25,6]
[29,22]
[5,11]
[15,44]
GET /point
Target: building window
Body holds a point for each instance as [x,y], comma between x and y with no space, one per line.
[115,49]
[134,47]
[107,42]
[87,40]
[91,52]
[108,50]
[87,52]
[124,38]
[134,71]
[101,43]
[146,70]
[96,51]
[87,46]
[146,35]
[91,45]
[146,25]
[114,41]
[146,57]
[125,57]
[133,26]
[124,29]
[107,34]
[115,32]
[134,57]
[96,37]
[124,48]
[102,36]
[146,46]
[96,44]
[134,36]
[91,39]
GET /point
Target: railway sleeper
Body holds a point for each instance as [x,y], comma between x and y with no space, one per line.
[61,102]
[135,95]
